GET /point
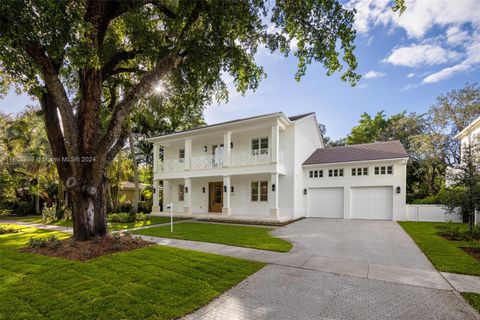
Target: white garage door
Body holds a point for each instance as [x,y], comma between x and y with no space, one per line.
[326,202]
[372,203]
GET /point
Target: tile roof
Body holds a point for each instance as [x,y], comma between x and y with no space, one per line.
[359,152]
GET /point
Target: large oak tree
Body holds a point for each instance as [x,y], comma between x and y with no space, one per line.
[90,62]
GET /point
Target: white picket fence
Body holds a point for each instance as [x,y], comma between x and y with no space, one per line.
[430,213]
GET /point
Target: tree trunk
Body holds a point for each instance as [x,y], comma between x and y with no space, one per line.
[89,211]
[134,208]
[117,195]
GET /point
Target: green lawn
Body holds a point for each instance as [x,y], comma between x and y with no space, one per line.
[155,282]
[111,226]
[473,299]
[235,235]
[445,255]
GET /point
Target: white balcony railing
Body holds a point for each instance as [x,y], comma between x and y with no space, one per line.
[172,165]
[237,159]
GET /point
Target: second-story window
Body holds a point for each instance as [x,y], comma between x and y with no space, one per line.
[181,155]
[259,146]
[335,172]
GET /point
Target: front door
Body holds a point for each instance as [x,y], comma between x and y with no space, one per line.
[215,199]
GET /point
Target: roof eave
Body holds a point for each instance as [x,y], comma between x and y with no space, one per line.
[356,161]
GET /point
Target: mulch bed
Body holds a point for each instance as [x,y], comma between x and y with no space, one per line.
[474,252]
[90,249]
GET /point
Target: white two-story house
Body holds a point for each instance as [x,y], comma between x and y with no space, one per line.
[275,168]
[469,136]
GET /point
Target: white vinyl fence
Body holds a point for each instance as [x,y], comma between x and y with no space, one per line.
[430,213]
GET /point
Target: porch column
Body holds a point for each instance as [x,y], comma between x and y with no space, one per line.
[275,143]
[226,196]
[187,196]
[227,140]
[167,195]
[188,153]
[156,196]
[155,158]
[274,185]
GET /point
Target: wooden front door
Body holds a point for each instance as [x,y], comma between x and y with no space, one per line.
[215,198]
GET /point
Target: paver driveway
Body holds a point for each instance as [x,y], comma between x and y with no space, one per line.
[283,292]
[369,241]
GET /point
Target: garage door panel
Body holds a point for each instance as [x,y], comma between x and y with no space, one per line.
[326,202]
[372,203]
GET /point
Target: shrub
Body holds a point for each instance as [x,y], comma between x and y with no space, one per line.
[125,206]
[4,230]
[49,213]
[23,208]
[453,232]
[124,217]
[145,206]
[142,217]
[37,243]
[5,212]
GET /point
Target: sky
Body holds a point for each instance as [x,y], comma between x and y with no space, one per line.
[406,62]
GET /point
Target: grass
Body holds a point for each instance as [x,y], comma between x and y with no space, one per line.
[111,226]
[234,235]
[155,282]
[444,254]
[473,299]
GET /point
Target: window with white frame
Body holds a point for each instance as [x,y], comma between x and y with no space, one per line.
[259,191]
[315,174]
[181,192]
[259,146]
[383,170]
[360,171]
[335,172]
[181,155]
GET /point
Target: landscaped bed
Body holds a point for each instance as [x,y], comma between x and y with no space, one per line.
[446,255]
[153,282]
[112,226]
[234,235]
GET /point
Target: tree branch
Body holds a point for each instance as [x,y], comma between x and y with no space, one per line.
[109,66]
[119,144]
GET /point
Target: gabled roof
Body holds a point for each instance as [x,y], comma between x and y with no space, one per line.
[358,152]
[300,116]
[466,131]
[279,114]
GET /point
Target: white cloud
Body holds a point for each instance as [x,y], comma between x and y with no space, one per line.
[455,35]
[420,55]
[362,86]
[373,74]
[411,75]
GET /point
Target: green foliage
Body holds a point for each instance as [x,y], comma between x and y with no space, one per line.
[5,230]
[49,214]
[124,217]
[473,299]
[234,235]
[37,243]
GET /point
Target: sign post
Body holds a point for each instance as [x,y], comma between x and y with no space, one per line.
[170,206]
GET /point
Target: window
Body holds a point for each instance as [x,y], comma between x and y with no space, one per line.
[259,146]
[382,170]
[161,153]
[335,172]
[330,173]
[360,171]
[181,192]
[181,155]
[340,172]
[259,191]
[315,174]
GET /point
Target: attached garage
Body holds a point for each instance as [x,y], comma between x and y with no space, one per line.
[326,202]
[372,203]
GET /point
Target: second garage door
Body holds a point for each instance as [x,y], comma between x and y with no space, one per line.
[372,203]
[326,202]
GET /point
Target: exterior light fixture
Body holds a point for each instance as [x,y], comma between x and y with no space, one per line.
[305,191]
[231,189]
[231,145]
[398,189]
[224,188]
[154,190]
[273,187]
[186,189]
[203,189]
[205,148]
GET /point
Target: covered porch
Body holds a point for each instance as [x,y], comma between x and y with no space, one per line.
[232,197]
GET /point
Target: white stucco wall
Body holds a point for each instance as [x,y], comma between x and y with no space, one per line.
[398,178]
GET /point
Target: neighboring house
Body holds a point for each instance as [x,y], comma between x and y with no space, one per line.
[469,136]
[275,168]
[127,190]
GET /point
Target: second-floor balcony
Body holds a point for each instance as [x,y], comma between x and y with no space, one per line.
[237,159]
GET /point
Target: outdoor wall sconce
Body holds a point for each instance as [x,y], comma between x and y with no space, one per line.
[231,189]
[205,148]
[186,189]
[305,191]
[224,188]
[273,187]
[203,189]
[398,189]
[231,145]
[154,190]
